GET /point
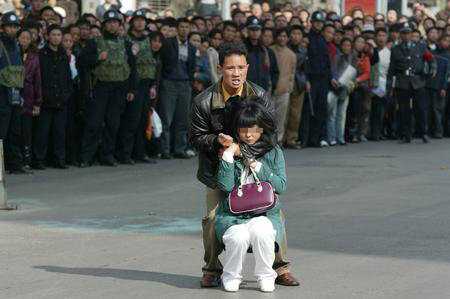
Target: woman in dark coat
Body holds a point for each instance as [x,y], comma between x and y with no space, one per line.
[32,91]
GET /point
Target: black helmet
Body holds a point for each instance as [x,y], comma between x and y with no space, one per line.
[253,22]
[138,14]
[10,18]
[111,14]
[406,28]
[318,16]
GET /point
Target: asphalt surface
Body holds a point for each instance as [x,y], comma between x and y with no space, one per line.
[364,221]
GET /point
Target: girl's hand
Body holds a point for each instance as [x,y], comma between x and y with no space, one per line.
[232,148]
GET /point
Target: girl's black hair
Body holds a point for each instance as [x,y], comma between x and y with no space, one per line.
[251,111]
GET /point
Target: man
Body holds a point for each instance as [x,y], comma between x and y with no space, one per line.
[298,95]
[379,99]
[35,13]
[407,64]
[135,117]
[207,122]
[314,129]
[115,77]
[108,5]
[229,31]
[287,61]
[178,67]
[11,83]
[261,69]
[57,89]
[215,40]
[444,13]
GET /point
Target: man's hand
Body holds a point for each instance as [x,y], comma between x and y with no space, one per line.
[130,97]
[103,56]
[36,110]
[152,93]
[224,140]
[443,93]
[335,83]
[233,148]
[433,73]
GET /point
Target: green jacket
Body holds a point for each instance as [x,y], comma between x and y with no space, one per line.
[228,177]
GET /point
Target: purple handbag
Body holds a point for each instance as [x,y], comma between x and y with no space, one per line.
[254,198]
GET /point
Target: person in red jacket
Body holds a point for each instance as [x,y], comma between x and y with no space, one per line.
[361,102]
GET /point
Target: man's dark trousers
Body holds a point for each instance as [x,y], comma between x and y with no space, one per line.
[419,98]
[105,107]
[173,109]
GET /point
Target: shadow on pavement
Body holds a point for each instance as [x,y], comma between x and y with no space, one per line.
[176,280]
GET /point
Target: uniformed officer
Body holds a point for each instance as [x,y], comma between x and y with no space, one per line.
[135,117]
[115,78]
[318,72]
[11,83]
[408,71]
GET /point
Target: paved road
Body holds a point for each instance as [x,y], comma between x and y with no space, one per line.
[364,221]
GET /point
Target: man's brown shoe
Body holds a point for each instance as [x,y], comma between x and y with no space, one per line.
[287,279]
[210,281]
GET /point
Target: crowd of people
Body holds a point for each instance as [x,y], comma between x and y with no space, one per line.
[79,90]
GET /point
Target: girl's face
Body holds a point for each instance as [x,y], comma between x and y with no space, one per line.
[359,44]
[250,135]
[156,44]
[25,40]
[67,41]
[34,34]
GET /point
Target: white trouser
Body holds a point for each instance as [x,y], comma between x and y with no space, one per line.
[260,234]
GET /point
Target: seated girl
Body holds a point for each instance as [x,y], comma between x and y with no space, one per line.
[254,146]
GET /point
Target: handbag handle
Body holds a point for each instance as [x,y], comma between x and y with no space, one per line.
[244,176]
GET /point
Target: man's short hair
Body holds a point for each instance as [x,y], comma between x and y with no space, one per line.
[182,20]
[213,33]
[228,49]
[230,24]
[295,27]
[196,18]
[281,30]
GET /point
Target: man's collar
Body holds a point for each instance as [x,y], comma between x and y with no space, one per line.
[218,100]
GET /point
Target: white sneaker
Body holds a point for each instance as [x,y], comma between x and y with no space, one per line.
[267,285]
[232,285]
[323,143]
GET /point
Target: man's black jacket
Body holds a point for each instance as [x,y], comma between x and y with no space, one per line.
[207,118]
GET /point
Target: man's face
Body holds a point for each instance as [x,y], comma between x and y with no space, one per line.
[183,30]
[328,33]
[444,43]
[112,26]
[55,37]
[216,41]
[282,39]
[338,37]
[296,37]
[229,34]
[201,26]
[432,36]
[234,71]
[84,32]
[75,32]
[281,22]
[195,40]
[254,33]
[48,14]
[406,36]
[139,24]
[267,38]
[239,18]
[36,5]
[381,39]
[10,30]
[67,41]
[317,26]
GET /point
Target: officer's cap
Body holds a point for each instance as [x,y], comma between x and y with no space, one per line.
[318,16]
[368,28]
[10,18]
[111,14]
[254,22]
[139,14]
[406,28]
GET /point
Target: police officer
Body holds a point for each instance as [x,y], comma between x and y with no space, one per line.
[114,70]
[408,69]
[11,83]
[135,117]
[318,71]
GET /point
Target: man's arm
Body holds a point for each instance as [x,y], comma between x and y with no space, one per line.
[200,135]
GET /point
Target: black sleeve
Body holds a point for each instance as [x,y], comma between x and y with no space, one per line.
[274,71]
[200,135]
[88,58]
[391,71]
[133,79]
[375,58]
